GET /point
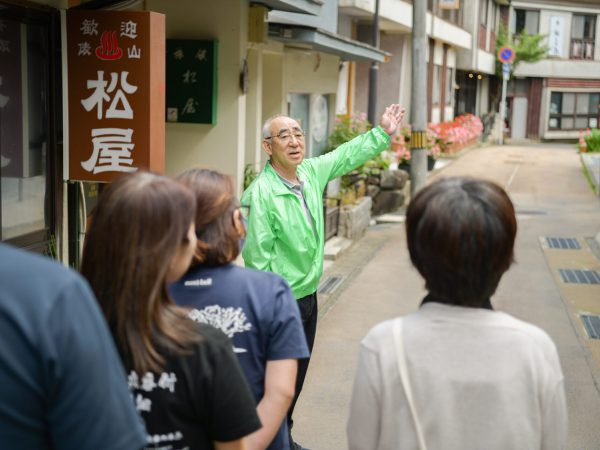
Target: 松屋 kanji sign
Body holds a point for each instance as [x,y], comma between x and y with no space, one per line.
[116,79]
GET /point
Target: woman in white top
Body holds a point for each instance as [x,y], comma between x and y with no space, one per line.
[478,378]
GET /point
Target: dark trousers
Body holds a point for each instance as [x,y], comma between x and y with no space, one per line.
[308,313]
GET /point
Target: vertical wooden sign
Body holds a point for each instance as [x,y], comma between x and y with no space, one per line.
[116,79]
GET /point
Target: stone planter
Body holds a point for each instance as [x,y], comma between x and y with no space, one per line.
[354,219]
[458,146]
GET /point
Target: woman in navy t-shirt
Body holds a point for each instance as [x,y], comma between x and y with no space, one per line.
[255,309]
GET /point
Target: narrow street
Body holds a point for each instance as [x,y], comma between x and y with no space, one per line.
[553,199]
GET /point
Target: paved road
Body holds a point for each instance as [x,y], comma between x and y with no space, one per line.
[552,198]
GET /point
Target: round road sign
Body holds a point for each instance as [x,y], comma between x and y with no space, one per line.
[506,54]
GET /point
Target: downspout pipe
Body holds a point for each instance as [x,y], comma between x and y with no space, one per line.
[373,71]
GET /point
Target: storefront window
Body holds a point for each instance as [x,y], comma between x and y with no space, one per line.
[573,111]
[26,206]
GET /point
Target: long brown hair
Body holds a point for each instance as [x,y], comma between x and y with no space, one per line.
[138,225]
[218,240]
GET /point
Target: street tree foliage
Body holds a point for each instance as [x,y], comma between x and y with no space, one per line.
[528,47]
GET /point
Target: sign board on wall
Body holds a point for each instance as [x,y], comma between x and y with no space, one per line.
[116,79]
[449,4]
[192,81]
[556,35]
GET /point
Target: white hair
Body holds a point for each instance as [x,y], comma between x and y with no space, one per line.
[266,129]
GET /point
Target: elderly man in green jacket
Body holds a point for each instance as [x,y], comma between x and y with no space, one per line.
[285,231]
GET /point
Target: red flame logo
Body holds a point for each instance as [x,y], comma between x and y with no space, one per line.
[109,49]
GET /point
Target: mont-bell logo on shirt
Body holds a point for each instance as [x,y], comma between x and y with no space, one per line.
[199,282]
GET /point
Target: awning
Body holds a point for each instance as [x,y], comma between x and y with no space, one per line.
[321,40]
[297,6]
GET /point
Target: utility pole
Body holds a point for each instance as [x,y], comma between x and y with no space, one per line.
[418,98]
[373,71]
[505,76]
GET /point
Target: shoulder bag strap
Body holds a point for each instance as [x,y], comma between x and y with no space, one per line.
[400,357]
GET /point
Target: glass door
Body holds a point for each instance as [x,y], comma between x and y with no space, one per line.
[30,176]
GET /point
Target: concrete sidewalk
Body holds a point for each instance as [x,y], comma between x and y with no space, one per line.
[376,281]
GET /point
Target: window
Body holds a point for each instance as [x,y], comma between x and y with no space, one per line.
[525,20]
[452,15]
[574,110]
[483,10]
[28,178]
[583,35]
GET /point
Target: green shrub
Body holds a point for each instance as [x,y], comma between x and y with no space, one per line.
[347,127]
[592,140]
[249,175]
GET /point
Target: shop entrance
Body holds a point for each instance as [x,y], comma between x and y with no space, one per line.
[30,128]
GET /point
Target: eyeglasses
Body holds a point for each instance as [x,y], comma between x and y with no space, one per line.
[286,135]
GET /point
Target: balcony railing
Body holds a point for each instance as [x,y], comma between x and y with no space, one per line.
[582,48]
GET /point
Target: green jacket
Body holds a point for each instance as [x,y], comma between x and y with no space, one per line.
[279,238]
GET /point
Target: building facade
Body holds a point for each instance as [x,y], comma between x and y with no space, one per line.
[557,97]
[272,57]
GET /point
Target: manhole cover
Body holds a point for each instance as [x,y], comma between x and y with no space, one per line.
[577,276]
[330,284]
[563,243]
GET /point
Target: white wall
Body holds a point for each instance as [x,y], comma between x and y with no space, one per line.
[341,104]
[549,68]
[486,62]
[310,72]
[438,53]
[448,32]
[254,117]
[220,146]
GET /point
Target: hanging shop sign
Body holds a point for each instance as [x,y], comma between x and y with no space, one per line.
[556,36]
[116,88]
[191,81]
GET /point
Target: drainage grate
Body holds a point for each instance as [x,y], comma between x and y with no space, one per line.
[564,243]
[579,276]
[591,325]
[329,284]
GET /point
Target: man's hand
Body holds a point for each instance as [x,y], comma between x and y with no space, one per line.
[392,118]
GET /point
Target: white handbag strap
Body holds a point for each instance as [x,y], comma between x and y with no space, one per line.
[400,357]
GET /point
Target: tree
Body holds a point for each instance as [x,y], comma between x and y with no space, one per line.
[528,47]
